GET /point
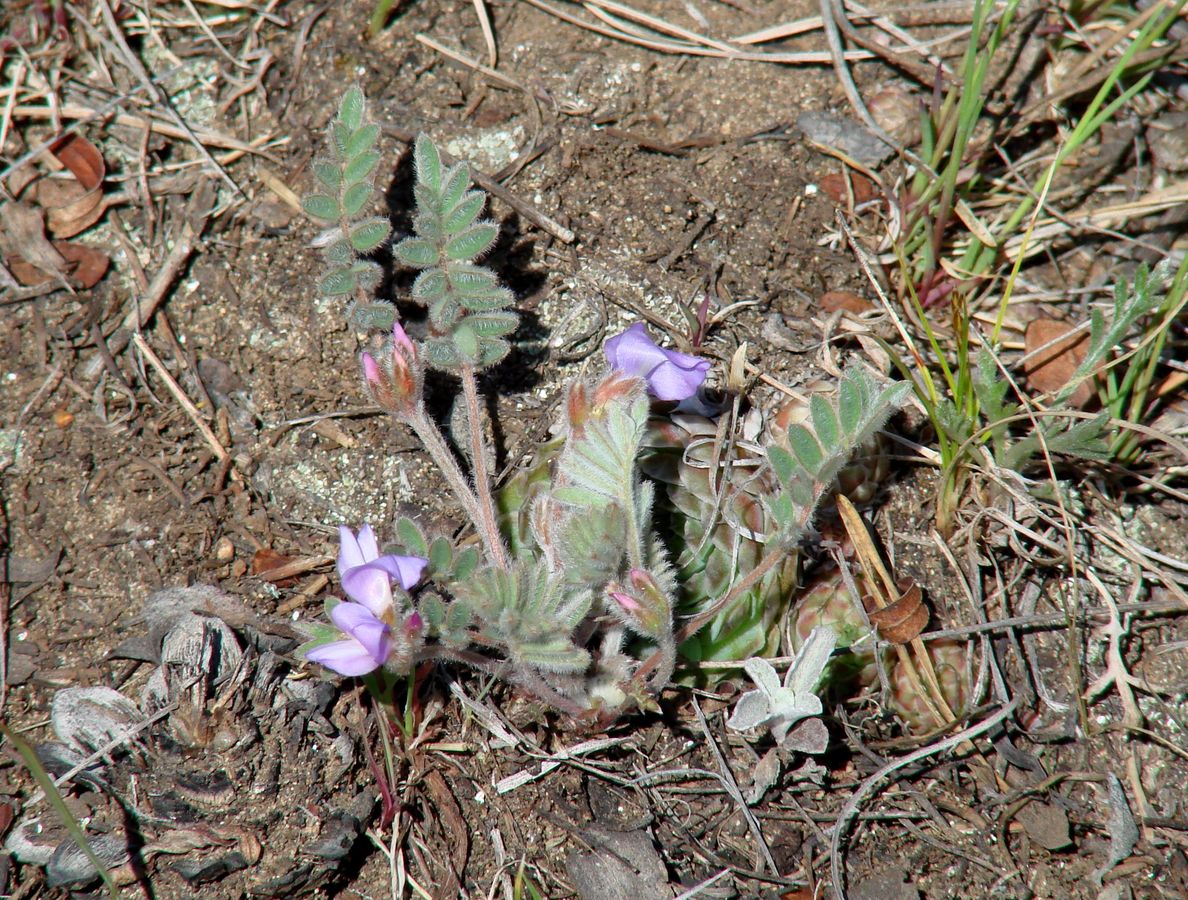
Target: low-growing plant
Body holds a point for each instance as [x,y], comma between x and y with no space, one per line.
[966,232]
[571,592]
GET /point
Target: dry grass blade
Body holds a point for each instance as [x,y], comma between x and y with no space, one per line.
[882,587]
[621,31]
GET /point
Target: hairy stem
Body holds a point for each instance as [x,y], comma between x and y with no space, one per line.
[488,523]
[435,445]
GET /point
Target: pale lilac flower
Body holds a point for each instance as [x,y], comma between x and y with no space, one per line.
[366,648]
[366,576]
[670,375]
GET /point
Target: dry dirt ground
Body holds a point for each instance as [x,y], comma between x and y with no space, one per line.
[680,178]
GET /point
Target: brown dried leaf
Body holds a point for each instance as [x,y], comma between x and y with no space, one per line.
[73,204]
[84,265]
[82,158]
[1051,369]
[902,621]
[268,561]
[70,208]
[834,186]
[832,301]
[22,234]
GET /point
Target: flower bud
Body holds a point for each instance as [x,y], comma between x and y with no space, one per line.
[396,383]
[642,605]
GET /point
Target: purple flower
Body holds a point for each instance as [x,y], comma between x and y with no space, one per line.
[366,648]
[366,576]
[670,375]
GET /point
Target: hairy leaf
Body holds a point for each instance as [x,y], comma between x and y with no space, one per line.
[471,242]
[360,167]
[412,539]
[352,108]
[428,163]
[369,234]
[361,140]
[355,197]
[321,206]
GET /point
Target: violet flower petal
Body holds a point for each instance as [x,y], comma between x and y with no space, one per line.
[369,585]
[407,570]
[350,554]
[670,374]
[347,657]
[361,624]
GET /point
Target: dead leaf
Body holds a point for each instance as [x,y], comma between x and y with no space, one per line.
[22,234]
[832,301]
[73,205]
[267,561]
[902,621]
[1050,370]
[84,265]
[835,187]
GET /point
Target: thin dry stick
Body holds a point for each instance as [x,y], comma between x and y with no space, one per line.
[851,807]
[174,388]
[471,63]
[484,17]
[669,46]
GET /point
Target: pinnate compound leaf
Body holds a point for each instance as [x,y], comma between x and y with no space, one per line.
[472,241]
[321,206]
[352,108]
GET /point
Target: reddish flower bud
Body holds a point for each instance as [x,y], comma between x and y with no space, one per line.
[395,384]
